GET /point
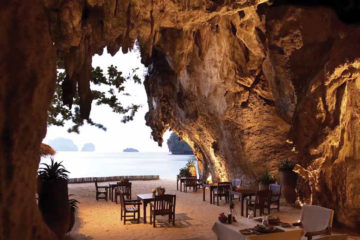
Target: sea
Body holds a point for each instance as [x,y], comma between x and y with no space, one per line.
[99,164]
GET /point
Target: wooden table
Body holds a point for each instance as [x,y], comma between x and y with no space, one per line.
[211,187]
[242,193]
[145,198]
[182,181]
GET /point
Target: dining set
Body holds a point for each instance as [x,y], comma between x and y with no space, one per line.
[253,199]
[160,205]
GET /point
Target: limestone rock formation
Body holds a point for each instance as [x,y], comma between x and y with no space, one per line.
[244,82]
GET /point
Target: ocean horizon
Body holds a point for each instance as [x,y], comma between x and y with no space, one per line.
[105,164]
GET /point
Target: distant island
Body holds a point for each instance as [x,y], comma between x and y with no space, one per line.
[130,150]
[88,147]
[178,147]
[63,144]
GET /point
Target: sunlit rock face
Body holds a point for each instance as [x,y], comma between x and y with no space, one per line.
[244,83]
[262,85]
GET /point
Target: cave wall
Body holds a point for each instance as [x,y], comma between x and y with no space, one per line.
[262,85]
[246,84]
[27,82]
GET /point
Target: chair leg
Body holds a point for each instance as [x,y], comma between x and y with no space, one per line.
[138,215]
[217,200]
[247,210]
[124,217]
[173,219]
[154,221]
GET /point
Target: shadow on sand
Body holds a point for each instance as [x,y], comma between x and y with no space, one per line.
[77,236]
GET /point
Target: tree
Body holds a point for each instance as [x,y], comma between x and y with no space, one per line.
[112,85]
[176,146]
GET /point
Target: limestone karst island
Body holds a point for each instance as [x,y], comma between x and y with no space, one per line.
[246,115]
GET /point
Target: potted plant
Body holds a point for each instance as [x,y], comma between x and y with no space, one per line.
[53,197]
[160,191]
[265,179]
[73,206]
[288,180]
[191,166]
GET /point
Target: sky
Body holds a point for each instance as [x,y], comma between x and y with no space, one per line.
[118,135]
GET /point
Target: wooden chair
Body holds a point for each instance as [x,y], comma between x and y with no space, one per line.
[129,206]
[316,220]
[235,184]
[123,188]
[163,205]
[200,182]
[222,190]
[190,182]
[275,194]
[261,198]
[101,191]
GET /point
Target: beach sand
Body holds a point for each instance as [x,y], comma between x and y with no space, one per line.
[100,220]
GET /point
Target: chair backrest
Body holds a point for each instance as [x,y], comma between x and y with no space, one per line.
[122,200]
[237,182]
[191,181]
[275,191]
[261,197]
[288,235]
[223,187]
[96,184]
[334,237]
[315,218]
[124,188]
[165,203]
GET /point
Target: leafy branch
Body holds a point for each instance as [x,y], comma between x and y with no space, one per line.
[112,86]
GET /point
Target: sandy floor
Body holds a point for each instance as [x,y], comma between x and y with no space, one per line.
[100,220]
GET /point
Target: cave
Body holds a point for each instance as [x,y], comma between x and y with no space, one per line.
[245,83]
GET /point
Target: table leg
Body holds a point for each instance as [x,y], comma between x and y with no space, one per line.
[110,193]
[144,203]
[203,193]
[177,184]
[242,204]
[180,186]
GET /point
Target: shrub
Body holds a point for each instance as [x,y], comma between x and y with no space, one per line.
[286,165]
[184,172]
[266,178]
[54,170]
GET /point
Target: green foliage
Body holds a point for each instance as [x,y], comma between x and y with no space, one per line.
[190,163]
[73,203]
[160,188]
[112,85]
[176,146]
[53,171]
[286,165]
[184,172]
[266,177]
